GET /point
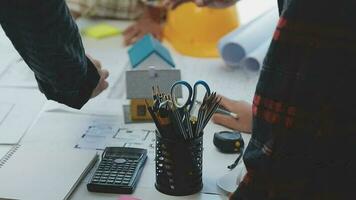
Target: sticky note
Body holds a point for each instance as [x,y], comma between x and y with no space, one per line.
[101,31]
[126,197]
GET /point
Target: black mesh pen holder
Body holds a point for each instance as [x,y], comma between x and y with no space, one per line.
[179,166]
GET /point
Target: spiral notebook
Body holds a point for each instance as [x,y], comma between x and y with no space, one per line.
[37,171]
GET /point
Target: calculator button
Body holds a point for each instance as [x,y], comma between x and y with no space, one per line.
[120,160]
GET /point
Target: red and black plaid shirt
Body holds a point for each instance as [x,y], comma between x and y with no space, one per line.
[303,144]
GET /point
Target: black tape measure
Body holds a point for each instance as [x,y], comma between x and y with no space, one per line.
[230,142]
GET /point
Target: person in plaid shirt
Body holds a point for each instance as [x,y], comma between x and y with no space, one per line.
[303,140]
[148,13]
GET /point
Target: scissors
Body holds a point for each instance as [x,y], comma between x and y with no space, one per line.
[192,94]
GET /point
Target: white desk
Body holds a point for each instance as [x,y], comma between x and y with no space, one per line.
[236,84]
[70,127]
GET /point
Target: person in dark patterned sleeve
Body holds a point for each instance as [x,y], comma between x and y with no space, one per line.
[303,142]
[47,38]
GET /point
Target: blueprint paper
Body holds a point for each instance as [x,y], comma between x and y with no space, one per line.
[238,44]
[254,61]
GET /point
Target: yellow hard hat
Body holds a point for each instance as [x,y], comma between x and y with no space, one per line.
[195,31]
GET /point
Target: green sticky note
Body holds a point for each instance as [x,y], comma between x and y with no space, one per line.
[101,31]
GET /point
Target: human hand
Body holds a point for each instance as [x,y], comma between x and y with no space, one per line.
[244,111]
[201,3]
[175,3]
[140,28]
[103,73]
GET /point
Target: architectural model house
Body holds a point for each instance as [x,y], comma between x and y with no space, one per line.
[151,65]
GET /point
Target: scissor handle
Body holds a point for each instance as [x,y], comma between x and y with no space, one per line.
[195,88]
[173,94]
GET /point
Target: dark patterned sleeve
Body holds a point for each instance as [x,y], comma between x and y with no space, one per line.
[47,38]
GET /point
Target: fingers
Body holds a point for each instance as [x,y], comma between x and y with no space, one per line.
[242,109]
[104,85]
[173,4]
[157,33]
[130,34]
[200,2]
[227,103]
[104,74]
[138,37]
[129,29]
[226,121]
[142,27]
[97,63]
[158,36]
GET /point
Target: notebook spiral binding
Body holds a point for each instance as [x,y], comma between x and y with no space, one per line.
[8,155]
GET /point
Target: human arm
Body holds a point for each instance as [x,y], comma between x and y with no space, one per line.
[243,109]
[47,38]
[148,23]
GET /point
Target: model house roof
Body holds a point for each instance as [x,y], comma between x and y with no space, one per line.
[145,47]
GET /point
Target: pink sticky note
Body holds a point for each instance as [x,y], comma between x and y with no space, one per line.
[126,197]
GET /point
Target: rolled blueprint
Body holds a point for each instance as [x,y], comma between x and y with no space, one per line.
[241,42]
[254,61]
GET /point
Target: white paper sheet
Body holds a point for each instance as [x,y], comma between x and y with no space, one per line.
[43,171]
[7,57]
[18,74]
[21,107]
[7,52]
[244,40]
[4,149]
[5,109]
[96,106]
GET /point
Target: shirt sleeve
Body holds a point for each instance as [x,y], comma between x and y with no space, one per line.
[47,38]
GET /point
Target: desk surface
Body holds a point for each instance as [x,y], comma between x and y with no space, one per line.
[233,83]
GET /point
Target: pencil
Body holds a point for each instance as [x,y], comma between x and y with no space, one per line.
[226,112]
